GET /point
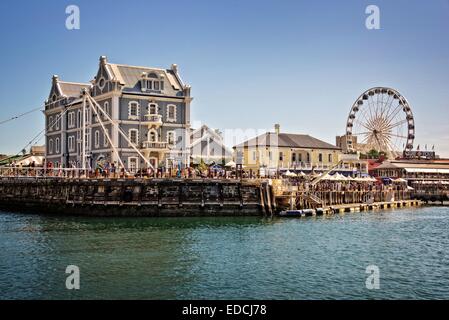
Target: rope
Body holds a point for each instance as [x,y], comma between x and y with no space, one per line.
[28,112]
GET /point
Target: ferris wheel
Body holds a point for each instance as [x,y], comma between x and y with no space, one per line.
[381,119]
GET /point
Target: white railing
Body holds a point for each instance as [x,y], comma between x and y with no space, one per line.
[154,145]
[308,166]
[155,118]
[40,172]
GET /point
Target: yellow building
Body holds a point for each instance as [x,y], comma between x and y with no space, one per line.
[276,151]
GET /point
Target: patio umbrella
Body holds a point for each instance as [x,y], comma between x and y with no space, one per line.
[231,164]
[290,174]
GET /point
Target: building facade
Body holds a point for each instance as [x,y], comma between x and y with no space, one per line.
[207,146]
[150,106]
[276,151]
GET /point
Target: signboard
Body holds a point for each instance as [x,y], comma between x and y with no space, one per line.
[419,155]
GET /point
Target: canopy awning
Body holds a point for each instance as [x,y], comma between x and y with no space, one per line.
[426,170]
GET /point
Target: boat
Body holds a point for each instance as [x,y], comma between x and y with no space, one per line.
[291,213]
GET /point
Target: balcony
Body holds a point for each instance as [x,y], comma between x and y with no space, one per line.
[155,145]
[153,119]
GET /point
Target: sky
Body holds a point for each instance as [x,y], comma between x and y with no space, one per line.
[250,63]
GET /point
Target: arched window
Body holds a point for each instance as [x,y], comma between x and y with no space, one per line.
[152,108]
[171,113]
[330,157]
[133,136]
[79,118]
[106,109]
[105,139]
[57,145]
[57,121]
[320,157]
[308,157]
[50,146]
[152,136]
[97,139]
[171,137]
[50,123]
[71,143]
[133,110]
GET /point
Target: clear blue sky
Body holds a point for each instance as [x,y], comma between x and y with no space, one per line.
[251,63]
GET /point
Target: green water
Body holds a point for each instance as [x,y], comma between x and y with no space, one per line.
[227,258]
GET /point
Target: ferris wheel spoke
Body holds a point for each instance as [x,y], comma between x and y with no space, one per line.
[397,136]
[362,124]
[395,111]
[388,109]
[361,133]
[394,125]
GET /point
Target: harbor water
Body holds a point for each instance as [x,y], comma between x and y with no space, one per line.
[227,258]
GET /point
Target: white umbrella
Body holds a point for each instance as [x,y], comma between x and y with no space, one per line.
[290,174]
[400,180]
[231,164]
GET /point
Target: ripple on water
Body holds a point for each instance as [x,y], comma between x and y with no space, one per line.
[227,258]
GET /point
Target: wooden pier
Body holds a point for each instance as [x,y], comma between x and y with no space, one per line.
[181,197]
[135,197]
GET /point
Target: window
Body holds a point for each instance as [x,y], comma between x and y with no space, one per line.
[79,118]
[152,136]
[50,123]
[320,157]
[152,84]
[101,83]
[171,137]
[57,145]
[87,116]
[300,157]
[57,121]
[50,146]
[106,109]
[133,110]
[293,157]
[329,157]
[308,157]
[133,136]
[133,164]
[270,155]
[281,156]
[71,120]
[152,108]
[254,156]
[71,143]
[97,139]
[105,139]
[171,113]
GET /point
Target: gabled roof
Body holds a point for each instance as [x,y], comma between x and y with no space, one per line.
[289,140]
[129,75]
[72,89]
[202,131]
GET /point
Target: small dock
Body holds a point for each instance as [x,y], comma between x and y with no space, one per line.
[358,207]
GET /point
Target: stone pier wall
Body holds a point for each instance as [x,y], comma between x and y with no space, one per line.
[132,197]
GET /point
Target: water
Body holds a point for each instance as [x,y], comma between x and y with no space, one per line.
[227,258]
